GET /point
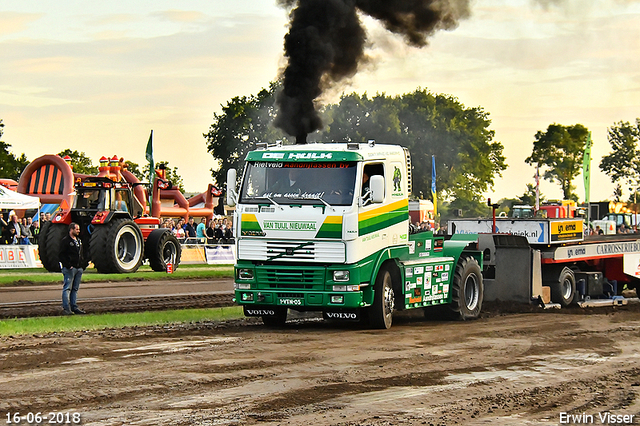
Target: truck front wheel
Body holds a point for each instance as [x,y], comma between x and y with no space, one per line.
[381,312]
[467,289]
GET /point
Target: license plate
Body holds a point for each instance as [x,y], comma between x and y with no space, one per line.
[290,302]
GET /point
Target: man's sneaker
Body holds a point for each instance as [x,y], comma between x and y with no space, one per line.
[79,311]
[67,312]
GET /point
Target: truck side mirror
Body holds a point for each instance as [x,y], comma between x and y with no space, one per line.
[232,196]
[377,188]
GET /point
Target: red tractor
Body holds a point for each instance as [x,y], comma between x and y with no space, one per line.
[115,235]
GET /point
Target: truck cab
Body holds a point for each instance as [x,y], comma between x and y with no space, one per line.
[326,227]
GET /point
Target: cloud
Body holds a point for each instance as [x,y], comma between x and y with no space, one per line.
[182,16]
[16,22]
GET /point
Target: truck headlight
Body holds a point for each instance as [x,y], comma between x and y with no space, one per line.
[242,286]
[245,274]
[337,299]
[341,275]
[247,297]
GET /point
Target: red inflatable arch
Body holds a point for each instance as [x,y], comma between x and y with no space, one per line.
[48,177]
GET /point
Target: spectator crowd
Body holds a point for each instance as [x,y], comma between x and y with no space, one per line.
[215,231]
[20,231]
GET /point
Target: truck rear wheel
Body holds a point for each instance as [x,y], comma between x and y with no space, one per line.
[277,320]
[49,247]
[563,285]
[381,312]
[117,247]
[467,289]
[162,248]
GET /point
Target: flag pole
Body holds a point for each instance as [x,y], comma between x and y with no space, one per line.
[433,187]
[152,168]
[586,175]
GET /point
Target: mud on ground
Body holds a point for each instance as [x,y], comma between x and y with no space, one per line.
[503,369]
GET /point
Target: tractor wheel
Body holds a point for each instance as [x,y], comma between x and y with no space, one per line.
[381,312]
[117,247]
[49,246]
[467,289]
[162,248]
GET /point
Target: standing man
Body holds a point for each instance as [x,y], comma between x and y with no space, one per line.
[71,259]
[190,231]
[200,230]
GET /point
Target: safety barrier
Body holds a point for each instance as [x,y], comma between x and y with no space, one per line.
[26,256]
[211,254]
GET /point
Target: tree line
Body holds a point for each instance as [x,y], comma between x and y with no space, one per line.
[468,158]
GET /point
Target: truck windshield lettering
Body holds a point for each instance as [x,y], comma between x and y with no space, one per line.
[312,182]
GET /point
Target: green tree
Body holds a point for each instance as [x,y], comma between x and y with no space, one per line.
[623,163]
[244,121]
[529,196]
[467,157]
[559,152]
[80,162]
[171,174]
[10,165]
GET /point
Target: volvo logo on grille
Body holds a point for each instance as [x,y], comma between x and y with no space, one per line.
[290,251]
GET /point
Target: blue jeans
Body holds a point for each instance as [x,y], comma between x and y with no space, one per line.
[70,288]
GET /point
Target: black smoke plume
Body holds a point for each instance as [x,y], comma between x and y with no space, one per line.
[326,41]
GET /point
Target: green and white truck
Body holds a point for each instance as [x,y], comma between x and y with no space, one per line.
[325,227]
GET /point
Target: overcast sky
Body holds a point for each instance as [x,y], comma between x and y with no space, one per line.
[97,77]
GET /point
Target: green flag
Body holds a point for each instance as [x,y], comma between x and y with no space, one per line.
[586,168]
[149,156]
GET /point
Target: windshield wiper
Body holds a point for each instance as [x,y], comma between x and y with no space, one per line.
[267,197]
[320,199]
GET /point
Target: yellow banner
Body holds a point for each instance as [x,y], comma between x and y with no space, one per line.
[563,230]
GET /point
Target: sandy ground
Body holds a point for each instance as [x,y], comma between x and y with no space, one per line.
[503,369]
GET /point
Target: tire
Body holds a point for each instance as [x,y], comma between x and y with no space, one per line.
[381,312]
[117,247]
[467,290]
[278,320]
[49,240]
[563,285]
[162,248]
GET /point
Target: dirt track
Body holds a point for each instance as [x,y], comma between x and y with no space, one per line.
[509,369]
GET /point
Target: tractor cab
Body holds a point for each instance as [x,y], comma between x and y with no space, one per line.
[102,194]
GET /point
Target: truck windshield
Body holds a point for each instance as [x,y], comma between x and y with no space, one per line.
[299,183]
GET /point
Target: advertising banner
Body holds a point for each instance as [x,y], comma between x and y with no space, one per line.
[21,256]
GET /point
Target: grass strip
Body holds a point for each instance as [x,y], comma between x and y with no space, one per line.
[38,276]
[42,325]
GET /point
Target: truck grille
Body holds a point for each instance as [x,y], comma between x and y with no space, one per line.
[291,251]
[284,278]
